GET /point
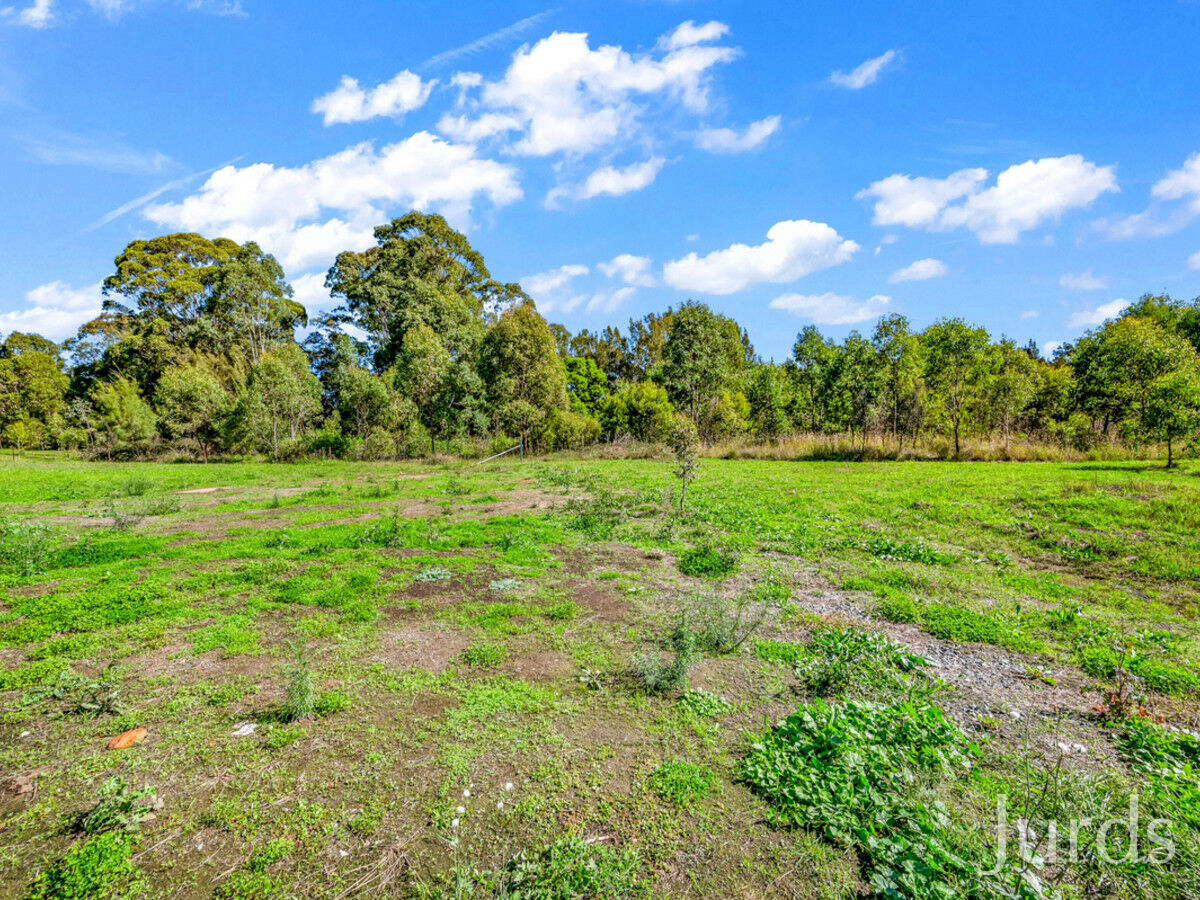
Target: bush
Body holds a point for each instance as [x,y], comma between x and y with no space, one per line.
[641,411]
[707,561]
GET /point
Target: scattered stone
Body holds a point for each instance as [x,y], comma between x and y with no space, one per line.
[127,739]
[26,734]
[245,729]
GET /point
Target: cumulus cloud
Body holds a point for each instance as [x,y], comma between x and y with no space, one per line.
[864,74]
[832,309]
[349,102]
[54,310]
[1088,318]
[1024,196]
[729,140]
[1084,281]
[921,270]
[609,180]
[793,249]
[1049,348]
[561,96]
[38,15]
[287,209]
[1194,260]
[629,269]
[1180,184]
[608,301]
[310,292]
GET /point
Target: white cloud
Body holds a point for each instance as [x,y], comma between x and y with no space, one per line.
[553,291]
[565,97]
[729,140]
[1087,318]
[608,301]
[101,152]
[688,34]
[285,208]
[487,41]
[1181,184]
[1084,281]
[832,309]
[1030,314]
[309,291]
[609,180]
[921,270]
[1194,260]
[1049,347]
[349,102]
[114,9]
[1023,197]
[793,249]
[54,310]
[38,15]
[864,74]
[629,269]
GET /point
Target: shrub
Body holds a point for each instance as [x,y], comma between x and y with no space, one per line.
[707,561]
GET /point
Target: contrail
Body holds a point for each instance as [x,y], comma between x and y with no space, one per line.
[488,40]
[146,198]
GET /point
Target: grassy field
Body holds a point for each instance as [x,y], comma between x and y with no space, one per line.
[537,680]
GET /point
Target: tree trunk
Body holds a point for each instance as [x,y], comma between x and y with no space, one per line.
[1170,456]
[956,447]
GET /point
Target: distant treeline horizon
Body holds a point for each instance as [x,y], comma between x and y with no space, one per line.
[196,352]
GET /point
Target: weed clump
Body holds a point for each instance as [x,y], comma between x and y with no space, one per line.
[722,623]
[484,655]
[25,547]
[836,660]
[658,676]
[707,561]
[682,782]
[571,867]
[864,775]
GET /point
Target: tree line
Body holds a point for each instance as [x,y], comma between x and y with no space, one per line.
[196,350]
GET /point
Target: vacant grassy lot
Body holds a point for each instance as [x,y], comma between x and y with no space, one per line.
[537,680]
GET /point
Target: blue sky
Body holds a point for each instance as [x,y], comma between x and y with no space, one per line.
[1028,166]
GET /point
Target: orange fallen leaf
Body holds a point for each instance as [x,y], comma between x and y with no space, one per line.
[127,739]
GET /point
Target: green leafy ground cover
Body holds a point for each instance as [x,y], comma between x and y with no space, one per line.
[405,680]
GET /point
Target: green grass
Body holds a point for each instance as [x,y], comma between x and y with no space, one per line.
[421,680]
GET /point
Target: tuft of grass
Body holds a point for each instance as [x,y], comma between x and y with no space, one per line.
[682,782]
[484,655]
[301,697]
